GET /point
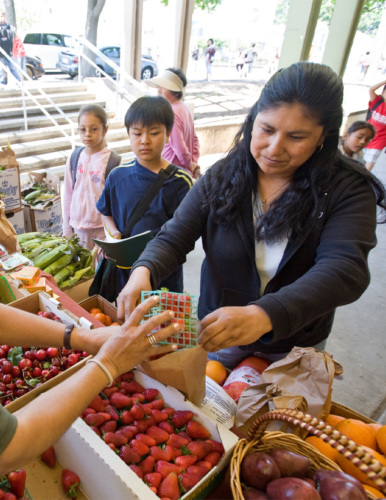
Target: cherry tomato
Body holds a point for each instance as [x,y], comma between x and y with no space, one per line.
[6,366]
[54,370]
[5,348]
[52,352]
[15,371]
[7,378]
[36,372]
[46,375]
[30,355]
[25,363]
[2,353]
[41,354]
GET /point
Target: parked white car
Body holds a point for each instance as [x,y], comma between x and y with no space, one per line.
[47,47]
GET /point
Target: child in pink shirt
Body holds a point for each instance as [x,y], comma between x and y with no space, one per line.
[80,214]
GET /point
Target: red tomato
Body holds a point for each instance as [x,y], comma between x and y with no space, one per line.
[52,352]
[41,354]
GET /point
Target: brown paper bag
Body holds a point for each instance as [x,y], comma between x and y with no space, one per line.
[8,237]
[302,380]
[183,369]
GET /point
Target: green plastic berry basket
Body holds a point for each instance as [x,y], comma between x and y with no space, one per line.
[185,308]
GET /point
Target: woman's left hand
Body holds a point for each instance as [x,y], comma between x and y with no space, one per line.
[233,326]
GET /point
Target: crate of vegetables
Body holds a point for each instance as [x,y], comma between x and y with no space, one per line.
[30,371]
[101,309]
[276,465]
[119,453]
[184,306]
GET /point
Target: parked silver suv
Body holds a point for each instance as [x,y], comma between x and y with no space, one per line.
[47,47]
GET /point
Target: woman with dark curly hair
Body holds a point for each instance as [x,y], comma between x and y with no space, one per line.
[286,220]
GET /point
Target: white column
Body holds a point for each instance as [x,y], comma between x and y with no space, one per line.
[343,25]
[183,11]
[300,28]
[132,37]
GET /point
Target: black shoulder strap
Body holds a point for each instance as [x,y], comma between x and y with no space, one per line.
[150,194]
[370,110]
[114,161]
[74,158]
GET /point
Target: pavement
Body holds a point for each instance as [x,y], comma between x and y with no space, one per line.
[357,340]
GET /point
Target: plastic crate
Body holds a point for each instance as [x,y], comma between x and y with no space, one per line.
[185,308]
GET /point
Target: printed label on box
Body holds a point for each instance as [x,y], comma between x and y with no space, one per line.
[16,218]
[48,220]
[10,188]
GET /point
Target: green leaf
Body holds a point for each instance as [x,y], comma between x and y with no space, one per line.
[184,450]
[14,355]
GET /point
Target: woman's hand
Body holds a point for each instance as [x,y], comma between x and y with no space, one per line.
[233,326]
[130,345]
[130,296]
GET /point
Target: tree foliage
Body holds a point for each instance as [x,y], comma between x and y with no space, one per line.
[208,5]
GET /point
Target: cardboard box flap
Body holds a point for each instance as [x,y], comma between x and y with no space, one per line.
[8,158]
[51,180]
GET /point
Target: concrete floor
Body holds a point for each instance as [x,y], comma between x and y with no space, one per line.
[358,340]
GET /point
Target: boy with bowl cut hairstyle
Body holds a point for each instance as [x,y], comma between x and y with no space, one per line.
[149,122]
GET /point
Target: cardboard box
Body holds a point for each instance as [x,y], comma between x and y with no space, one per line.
[9,179]
[16,218]
[42,301]
[79,292]
[104,305]
[104,475]
[44,219]
[10,290]
[346,412]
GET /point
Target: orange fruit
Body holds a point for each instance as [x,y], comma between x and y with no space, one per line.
[216,371]
[348,467]
[115,324]
[324,448]
[372,490]
[380,437]
[100,317]
[357,431]
[108,320]
[94,311]
[333,419]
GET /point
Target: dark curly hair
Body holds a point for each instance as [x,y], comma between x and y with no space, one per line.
[320,91]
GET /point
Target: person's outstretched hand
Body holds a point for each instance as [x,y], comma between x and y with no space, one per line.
[233,326]
[130,296]
[130,344]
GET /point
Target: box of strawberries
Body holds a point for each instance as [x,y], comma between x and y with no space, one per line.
[142,439]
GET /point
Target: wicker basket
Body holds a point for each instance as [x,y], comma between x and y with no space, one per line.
[259,440]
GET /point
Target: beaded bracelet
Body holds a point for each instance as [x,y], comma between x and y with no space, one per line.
[101,365]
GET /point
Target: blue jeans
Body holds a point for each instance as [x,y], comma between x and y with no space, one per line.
[13,69]
[232,356]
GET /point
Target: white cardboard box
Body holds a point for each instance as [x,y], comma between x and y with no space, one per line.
[10,187]
[16,218]
[104,475]
[47,219]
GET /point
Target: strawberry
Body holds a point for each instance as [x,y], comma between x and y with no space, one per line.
[97,404]
[139,447]
[158,404]
[97,419]
[144,424]
[150,394]
[70,482]
[185,435]
[137,412]
[147,408]
[199,448]
[181,418]
[8,496]
[127,376]
[147,464]
[158,434]
[153,479]
[204,465]
[154,490]
[167,410]
[120,400]
[17,480]
[129,456]
[217,446]
[88,411]
[97,431]
[129,430]
[127,417]
[138,396]
[169,487]
[112,412]
[49,456]
[198,471]
[177,441]
[144,438]
[159,454]
[159,416]
[188,480]
[185,461]
[112,447]
[175,452]
[166,426]
[109,426]
[133,387]
[213,457]
[137,470]
[196,430]
[107,391]
[165,468]
[117,439]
